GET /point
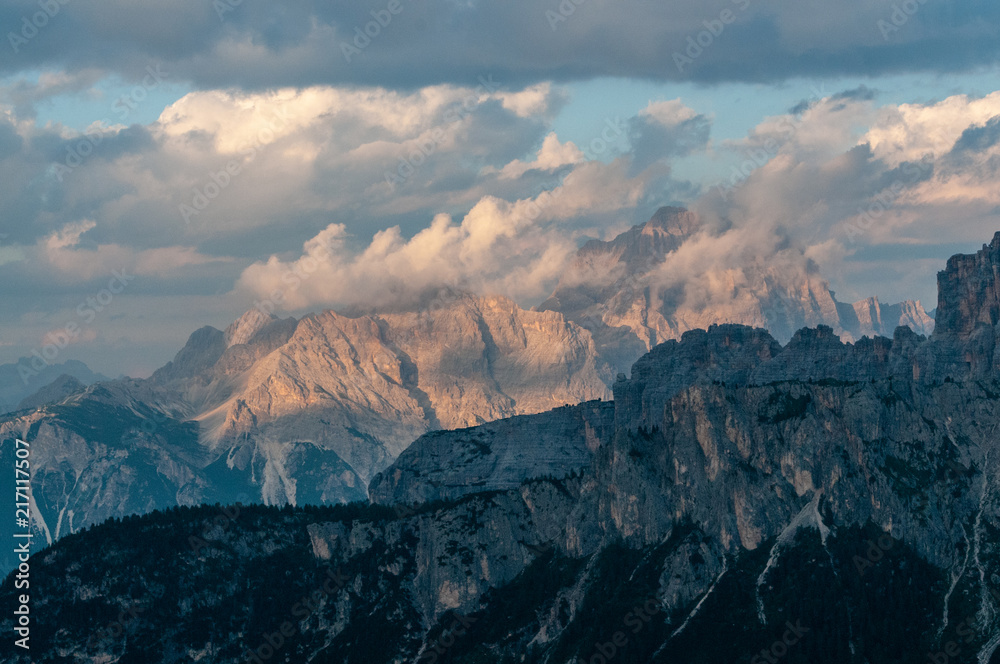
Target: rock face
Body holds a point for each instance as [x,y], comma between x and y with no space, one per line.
[294,411]
[839,500]
[613,289]
[365,387]
[969,292]
[499,456]
[870,318]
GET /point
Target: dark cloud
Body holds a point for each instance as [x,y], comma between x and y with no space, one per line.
[980,138]
[666,135]
[258,44]
[860,93]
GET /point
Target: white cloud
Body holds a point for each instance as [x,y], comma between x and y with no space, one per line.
[551,156]
[515,248]
[846,178]
[64,252]
[909,131]
[670,113]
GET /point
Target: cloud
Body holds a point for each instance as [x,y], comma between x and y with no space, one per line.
[224,177]
[665,130]
[517,248]
[24,96]
[830,183]
[69,256]
[845,177]
[247,159]
[258,45]
[979,138]
[909,131]
[551,156]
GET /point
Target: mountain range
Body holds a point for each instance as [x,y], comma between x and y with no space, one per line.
[310,410]
[21,380]
[616,291]
[739,500]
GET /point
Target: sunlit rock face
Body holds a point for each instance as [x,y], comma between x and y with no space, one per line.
[296,411]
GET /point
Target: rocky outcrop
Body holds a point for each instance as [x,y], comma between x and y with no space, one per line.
[499,456]
[367,386]
[969,292]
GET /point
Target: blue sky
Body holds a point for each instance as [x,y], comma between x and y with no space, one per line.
[738,107]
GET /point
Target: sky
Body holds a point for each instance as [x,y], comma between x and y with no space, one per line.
[165,166]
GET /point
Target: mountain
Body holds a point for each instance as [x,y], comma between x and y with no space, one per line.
[309,411]
[294,411]
[19,380]
[62,387]
[499,456]
[739,501]
[871,318]
[616,291]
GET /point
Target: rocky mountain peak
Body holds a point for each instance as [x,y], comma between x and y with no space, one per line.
[673,221]
[61,387]
[615,290]
[646,243]
[203,349]
[243,329]
[969,292]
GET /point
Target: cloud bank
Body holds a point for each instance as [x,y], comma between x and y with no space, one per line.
[254,44]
